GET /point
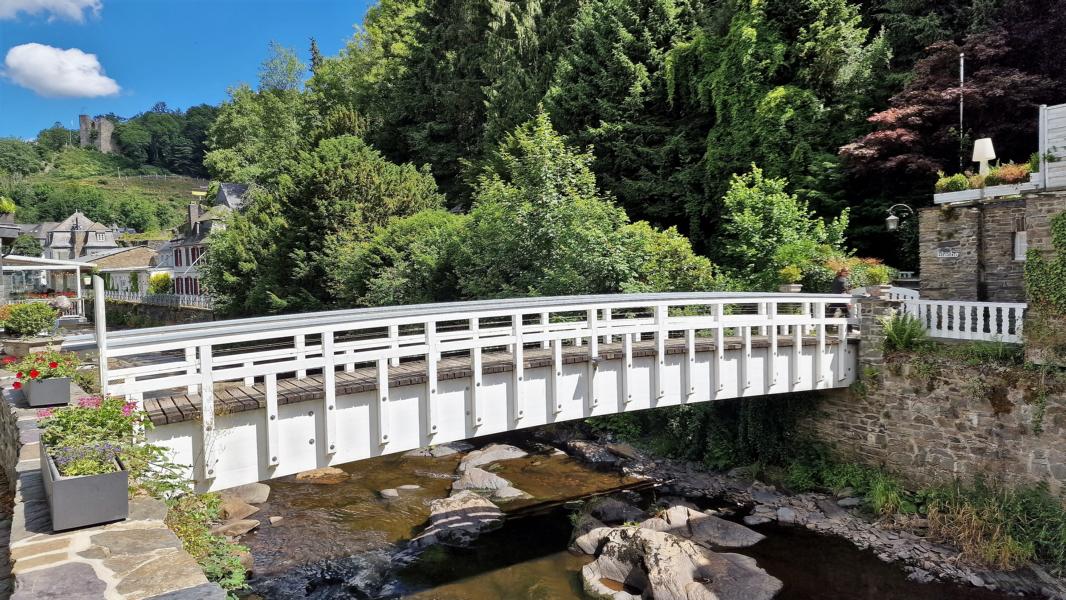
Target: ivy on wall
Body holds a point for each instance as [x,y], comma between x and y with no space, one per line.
[1045,283]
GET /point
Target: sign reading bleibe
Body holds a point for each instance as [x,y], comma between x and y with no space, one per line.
[940,253]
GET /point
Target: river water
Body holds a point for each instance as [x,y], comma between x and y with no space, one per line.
[345,541]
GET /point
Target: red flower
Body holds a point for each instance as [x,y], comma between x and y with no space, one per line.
[34,373]
[17,385]
[53,365]
[19,374]
[9,359]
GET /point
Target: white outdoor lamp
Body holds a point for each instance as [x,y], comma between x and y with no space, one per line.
[892,221]
[982,153]
[87,279]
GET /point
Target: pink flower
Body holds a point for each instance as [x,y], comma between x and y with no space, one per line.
[44,413]
[128,408]
[89,402]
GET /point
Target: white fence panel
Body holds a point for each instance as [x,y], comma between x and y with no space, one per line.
[956,320]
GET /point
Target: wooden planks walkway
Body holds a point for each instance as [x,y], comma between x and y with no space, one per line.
[233,397]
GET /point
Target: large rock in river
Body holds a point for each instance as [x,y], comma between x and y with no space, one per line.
[704,529]
[458,520]
[490,454]
[323,476]
[591,452]
[480,479]
[659,565]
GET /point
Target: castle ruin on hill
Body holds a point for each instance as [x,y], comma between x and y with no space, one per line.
[95,133]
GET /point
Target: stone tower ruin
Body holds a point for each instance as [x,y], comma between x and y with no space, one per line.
[95,133]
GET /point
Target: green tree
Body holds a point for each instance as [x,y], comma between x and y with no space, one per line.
[759,218]
[663,261]
[609,90]
[410,260]
[273,255]
[26,245]
[18,157]
[539,225]
[787,83]
[282,71]
[55,137]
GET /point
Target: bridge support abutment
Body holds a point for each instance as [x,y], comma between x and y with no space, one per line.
[872,314]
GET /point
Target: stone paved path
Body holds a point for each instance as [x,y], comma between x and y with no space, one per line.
[135,559]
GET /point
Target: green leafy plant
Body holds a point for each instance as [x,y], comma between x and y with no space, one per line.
[190,517]
[952,183]
[160,283]
[1000,527]
[44,365]
[1007,174]
[903,333]
[30,319]
[790,274]
[7,205]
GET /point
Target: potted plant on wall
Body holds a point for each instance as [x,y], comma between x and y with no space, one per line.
[82,447]
[879,281]
[790,277]
[45,377]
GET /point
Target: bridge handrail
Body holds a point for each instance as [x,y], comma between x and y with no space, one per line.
[280,324]
[268,347]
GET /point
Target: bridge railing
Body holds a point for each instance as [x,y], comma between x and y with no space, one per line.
[951,319]
[287,356]
[193,357]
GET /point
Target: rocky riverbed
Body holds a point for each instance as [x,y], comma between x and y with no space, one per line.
[459,523]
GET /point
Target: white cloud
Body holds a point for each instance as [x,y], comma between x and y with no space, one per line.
[55,72]
[73,10]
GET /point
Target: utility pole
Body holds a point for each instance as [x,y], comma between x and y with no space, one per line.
[962,86]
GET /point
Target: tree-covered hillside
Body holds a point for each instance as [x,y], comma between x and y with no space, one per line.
[108,189]
[853,103]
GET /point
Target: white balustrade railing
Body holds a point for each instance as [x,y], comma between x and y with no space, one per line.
[196,355]
[185,300]
[798,345]
[951,319]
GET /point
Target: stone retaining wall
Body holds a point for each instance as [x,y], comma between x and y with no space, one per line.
[138,558]
[934,421]
[134,314]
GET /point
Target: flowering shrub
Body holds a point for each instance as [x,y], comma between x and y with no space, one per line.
[30,319]
[87,437]
[44,365]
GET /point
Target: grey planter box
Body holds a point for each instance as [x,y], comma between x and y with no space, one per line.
[83,501]
[48,392]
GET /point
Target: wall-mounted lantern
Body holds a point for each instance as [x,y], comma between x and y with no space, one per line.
[892,221]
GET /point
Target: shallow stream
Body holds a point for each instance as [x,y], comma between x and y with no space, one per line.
[345,541]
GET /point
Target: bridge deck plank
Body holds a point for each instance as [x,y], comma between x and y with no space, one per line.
[233,397]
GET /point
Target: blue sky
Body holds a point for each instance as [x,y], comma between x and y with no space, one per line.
[182,52]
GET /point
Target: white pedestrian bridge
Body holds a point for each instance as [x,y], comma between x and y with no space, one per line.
[247,400]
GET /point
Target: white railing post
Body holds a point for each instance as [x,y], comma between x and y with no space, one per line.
[329,383]
[432,356]
[476,394]
[207,412]
[661,333]
[518,354]
[100,326]
[594,351]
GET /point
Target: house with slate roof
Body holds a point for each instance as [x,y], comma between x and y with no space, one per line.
[181,256]
[75,237]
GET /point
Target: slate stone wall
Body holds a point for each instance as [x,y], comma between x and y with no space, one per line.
[967,253]
[958,421]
